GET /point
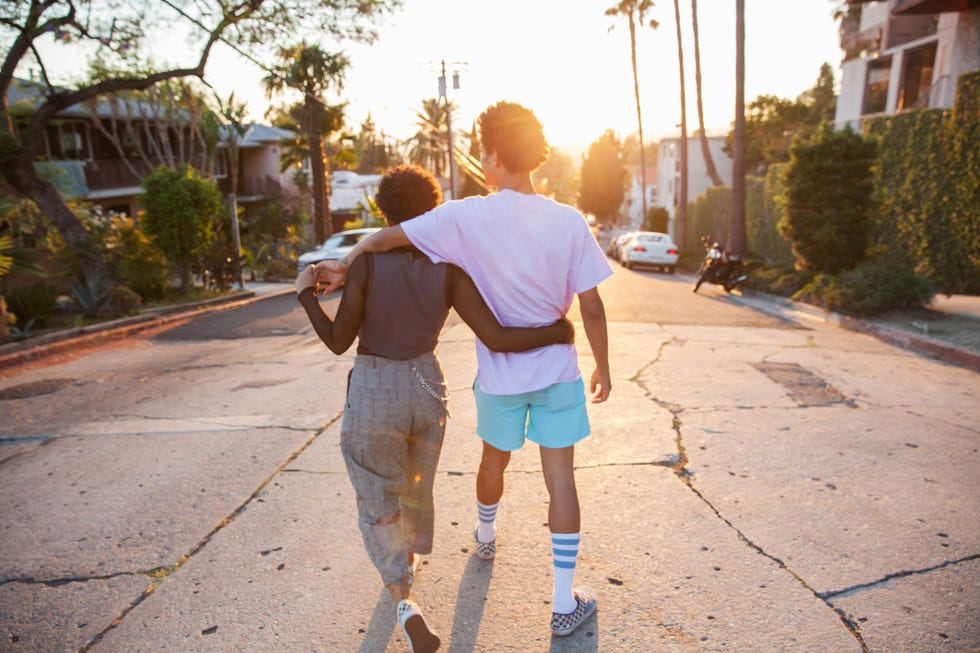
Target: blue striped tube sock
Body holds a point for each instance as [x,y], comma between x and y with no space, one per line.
[564,551]
[486,530]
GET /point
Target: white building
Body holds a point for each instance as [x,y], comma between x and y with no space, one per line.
[905,54]
[633,204]
[349,193]
[698,180]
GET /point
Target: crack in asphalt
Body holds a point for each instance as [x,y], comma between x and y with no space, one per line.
[165,572]
[679,467]
[899,574]
[68,580]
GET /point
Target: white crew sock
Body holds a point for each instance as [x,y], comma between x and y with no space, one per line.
[486,529]
[564,552]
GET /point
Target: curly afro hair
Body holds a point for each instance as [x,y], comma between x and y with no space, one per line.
[407,191]
[514,134]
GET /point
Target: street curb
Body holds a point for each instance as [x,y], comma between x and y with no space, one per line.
[799,312]
[17,353]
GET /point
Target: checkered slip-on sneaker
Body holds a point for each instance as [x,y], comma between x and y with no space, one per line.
[565,624]
[484,550]
[420,638]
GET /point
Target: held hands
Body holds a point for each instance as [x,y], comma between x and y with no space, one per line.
[330,275]
[600,386]
[304,279]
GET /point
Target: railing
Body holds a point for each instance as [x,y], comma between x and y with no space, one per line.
[113,173]
[928,98]
[258,185]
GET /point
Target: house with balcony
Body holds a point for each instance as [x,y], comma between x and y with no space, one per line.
[698,179]
[101,151]
[904,54]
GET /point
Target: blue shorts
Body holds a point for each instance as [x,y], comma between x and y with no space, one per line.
[553,417]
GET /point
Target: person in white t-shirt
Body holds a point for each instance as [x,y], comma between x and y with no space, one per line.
[529,256]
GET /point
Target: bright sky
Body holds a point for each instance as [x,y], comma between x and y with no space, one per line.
[559,58]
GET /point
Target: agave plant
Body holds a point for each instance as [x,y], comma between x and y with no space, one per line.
[90,296]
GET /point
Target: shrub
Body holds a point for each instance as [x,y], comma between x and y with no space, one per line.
[828,200]
[656,219]
[131,254]
[871,288]
[121,301]
[32,302]
[182,211]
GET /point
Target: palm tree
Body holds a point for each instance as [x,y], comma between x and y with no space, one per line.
[680,223]
[311,70]
[427,147]
[705,152]
[736,230]
[634,11]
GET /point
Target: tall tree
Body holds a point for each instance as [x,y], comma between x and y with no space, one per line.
[118,30]
[736,230]
[312,71]
[603,184]
[428,146]
[680,224]
[633,11]
[557,177]
[705,150]
[771,122]
[232,113]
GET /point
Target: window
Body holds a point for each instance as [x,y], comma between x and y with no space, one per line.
[916,75]
[876,88]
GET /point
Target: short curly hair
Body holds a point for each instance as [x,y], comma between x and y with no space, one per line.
[515,135]
[407,191]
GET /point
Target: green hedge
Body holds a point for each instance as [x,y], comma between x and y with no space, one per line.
[709,216]
[927,177]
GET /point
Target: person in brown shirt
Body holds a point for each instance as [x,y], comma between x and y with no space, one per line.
[394,422]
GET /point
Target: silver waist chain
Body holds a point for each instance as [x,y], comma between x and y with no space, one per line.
[442,399]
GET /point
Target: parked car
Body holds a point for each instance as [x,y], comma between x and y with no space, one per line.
[335,246]
[616,244]
[649,248]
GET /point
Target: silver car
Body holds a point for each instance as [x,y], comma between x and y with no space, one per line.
[335,246]
[649,248]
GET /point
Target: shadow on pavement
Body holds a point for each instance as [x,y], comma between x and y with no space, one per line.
[382,625]
[471,598]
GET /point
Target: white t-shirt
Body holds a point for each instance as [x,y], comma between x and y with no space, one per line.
[529,256]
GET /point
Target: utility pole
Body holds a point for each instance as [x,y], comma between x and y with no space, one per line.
[444,94]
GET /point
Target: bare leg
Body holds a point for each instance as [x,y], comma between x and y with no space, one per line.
[399,592]
[558,466]
[490,478]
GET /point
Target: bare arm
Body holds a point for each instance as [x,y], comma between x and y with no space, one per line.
[594,318]
[470,305]
[333,273]
[337,334]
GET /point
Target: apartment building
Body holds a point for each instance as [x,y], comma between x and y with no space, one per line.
[698,180]
[904,54]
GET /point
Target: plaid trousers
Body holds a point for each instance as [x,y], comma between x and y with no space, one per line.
[391,438]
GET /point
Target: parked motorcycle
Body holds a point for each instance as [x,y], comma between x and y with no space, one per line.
[722,267]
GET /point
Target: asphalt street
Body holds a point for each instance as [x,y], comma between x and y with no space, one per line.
[755,483]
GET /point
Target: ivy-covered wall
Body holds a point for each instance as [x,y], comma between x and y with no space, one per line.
[928,182]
